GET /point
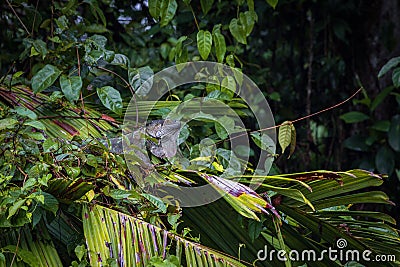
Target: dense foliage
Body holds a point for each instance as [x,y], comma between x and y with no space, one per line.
[69,69]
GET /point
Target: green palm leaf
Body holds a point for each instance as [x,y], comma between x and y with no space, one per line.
[116,238]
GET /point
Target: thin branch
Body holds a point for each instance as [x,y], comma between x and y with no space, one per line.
[332,107]
[79,60]
[34,17]
[16,247]
[15,13]
[302,118]
[195,19]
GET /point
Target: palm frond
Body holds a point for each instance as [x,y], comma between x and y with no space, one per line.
[26,248]
[116,238]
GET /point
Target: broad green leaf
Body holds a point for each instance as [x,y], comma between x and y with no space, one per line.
[119,194]
[181,53]
[382,126]
[255,229]
[91,160]
[230,60]
[220,45]
[50,145]
[239,78]
[238,31]
[15,207]
[62,22]
[98,40]
[380,97]
[224,126]
[385,160]
[25,112]
[17,74]
[228,86]
[247,19]
[110,98]
[396,77]
[356,142]
[72,172]
[7,123]
[285,135]
[40,47]
[204,43]
[168,9]
[264,141]
[163,10]
[388,66]
[164,50]
[156,202]
[36,124]
[272,3]
[394,133]
[80,251]
[354,116]
[242,27]
[155,8]
[71,87]
[141,79]
[121,60]
[68,6]
[36,135]
[206,5]
[45,78]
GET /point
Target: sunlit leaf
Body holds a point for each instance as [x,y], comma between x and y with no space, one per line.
[163,10]
[36,124]
[204,42]
[285,135]
[238,31]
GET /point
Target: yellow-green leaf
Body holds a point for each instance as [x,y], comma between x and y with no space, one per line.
[285,135]
[204,42]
